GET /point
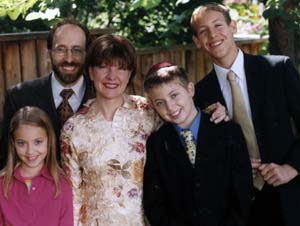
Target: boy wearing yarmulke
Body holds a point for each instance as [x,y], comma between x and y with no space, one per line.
[197,173]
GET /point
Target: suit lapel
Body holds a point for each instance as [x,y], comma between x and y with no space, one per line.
[216,86]
[206,141]
[255,86]
[174,147]
[44,97]
[213,88]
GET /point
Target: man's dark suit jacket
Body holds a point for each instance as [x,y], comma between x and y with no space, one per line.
[216,192]
[274,94]
[38,93]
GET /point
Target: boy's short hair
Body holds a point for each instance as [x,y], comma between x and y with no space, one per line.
[209,6]
[163,73]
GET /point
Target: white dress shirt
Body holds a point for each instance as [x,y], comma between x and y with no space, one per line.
[75,99]
[238,68]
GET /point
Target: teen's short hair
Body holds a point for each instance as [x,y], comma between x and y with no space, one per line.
[205,7]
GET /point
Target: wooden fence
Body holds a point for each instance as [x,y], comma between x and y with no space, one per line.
[23,56]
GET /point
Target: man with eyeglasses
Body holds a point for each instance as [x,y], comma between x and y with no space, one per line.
[63,91]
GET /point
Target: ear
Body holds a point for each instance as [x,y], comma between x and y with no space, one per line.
[233,26]
[196,41]
[191,89]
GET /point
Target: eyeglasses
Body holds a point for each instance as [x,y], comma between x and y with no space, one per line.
[62,51]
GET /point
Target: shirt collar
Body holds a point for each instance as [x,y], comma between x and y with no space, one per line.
[78,88]
[194,126]
[237,67]
[43,173]
[221,75]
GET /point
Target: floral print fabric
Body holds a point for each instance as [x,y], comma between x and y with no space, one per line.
[105,162]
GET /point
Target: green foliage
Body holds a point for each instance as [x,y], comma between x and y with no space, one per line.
[295,18]
[291,16]
[167,23]
[147,4]
[145,22]
[14,8]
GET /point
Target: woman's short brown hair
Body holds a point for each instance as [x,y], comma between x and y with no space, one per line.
[108,48]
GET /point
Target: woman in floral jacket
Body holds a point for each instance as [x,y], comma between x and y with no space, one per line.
[103,145]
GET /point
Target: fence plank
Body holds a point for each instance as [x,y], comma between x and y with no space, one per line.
[191,64]
[175,57]
[146,62]
[44,65]
[12,65]
[200,65]
[137,87]
[28,60]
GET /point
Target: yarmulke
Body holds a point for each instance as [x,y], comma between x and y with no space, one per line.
[156,67]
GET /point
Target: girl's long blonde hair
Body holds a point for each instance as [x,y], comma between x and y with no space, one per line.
[35,117]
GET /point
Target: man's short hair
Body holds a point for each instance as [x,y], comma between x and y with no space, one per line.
[66,22]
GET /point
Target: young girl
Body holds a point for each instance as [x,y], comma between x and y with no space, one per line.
[32,188]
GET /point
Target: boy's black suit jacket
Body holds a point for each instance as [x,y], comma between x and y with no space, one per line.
[216,192]
[274,95]
[38,93]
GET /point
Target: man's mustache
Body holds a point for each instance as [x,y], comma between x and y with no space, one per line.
[72,64]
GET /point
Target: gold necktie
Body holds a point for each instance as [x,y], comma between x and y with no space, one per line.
[190,145]
[64,109]
[241,117]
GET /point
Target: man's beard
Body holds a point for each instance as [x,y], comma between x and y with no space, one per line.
[67,78]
